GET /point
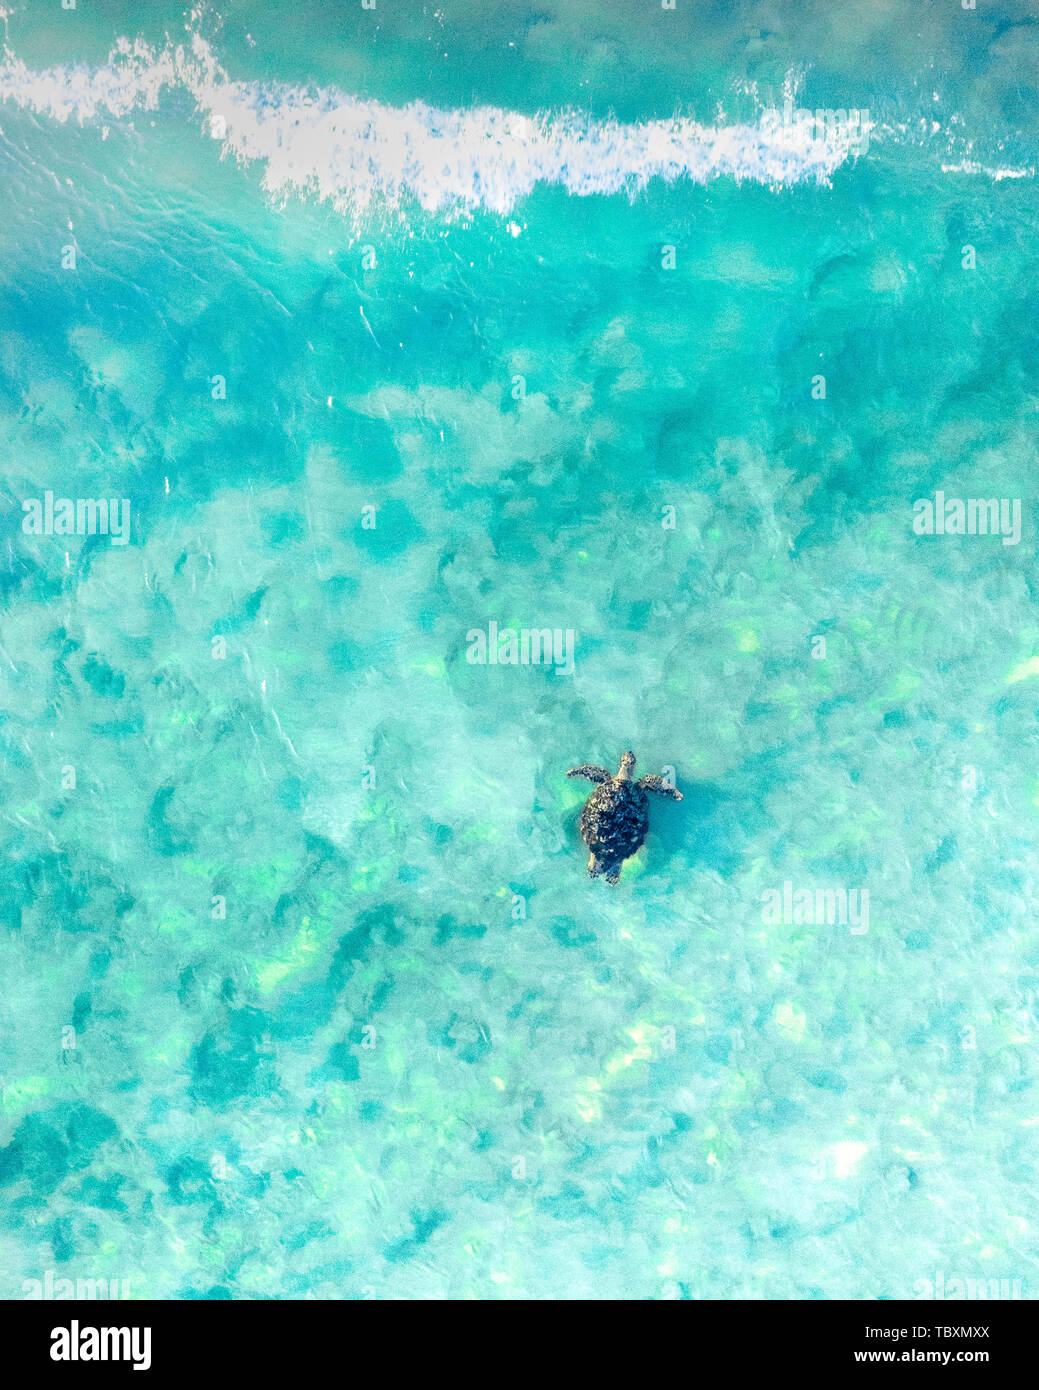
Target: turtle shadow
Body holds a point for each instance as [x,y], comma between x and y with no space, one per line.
[707,828]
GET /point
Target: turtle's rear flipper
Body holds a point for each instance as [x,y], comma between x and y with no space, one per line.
[594,867]
[589,770]
[658,785]
[613,873]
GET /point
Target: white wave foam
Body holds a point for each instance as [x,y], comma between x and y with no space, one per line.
[134,77]
[347,152]
[968,166]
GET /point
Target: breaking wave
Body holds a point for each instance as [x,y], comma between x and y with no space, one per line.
[344,151]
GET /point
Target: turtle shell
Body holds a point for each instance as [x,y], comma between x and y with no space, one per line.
[614,820]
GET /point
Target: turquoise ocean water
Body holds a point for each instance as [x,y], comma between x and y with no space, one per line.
[305,990]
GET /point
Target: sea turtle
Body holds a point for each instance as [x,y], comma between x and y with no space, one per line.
[615,817]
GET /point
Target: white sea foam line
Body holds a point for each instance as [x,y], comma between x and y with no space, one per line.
[347,151]
[967,166]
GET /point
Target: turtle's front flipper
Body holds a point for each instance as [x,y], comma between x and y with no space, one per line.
[594,774]
[658,785]
[613,873]
[594,867]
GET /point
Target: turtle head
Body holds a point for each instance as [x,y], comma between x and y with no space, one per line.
[627,763]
